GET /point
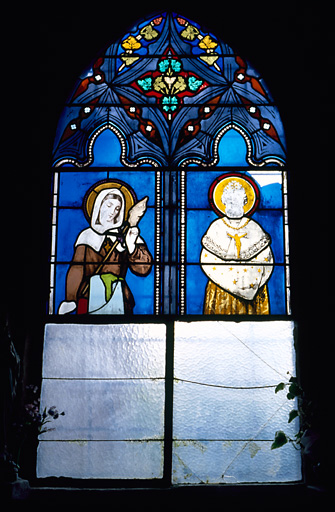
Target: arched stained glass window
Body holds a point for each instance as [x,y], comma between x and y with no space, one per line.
[170,111]
[169,201]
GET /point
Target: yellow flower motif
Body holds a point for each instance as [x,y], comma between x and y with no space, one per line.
[179,85]
[131,43]
[207,43]
[160,85]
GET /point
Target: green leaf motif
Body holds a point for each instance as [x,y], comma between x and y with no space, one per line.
[176,66]
[293,414]
[294,390]
[280,440]
[169,103]
[280,387]
[145,83]
[190,33]
[163,65]
[149,33]
[194,83]
[253,448]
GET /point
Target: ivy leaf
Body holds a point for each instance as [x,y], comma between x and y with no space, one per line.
[280,440]
[280,387]
[293,391]
[293,414]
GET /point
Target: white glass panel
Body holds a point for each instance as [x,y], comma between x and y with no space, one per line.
[106,409]
[202,412]
[100,459]
[104,351]
[226,411]
[235,354]
[109,381]
[230,462]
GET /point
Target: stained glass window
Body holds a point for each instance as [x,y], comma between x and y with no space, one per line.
[170,201]
[166,113]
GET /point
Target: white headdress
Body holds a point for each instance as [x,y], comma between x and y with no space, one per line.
[95,219]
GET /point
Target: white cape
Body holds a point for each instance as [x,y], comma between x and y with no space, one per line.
[238,260]
[93,239]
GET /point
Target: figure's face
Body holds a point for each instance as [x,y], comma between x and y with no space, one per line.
[109,212]
[234,200]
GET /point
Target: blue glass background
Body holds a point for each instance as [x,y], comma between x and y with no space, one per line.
[232,152]
[232,149]
[200,216]
[73,186]
[107,150]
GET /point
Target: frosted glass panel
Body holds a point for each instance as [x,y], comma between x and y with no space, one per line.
[215,413]
[108,409]
[110,381]
[226,411]
[232,462]
[236,354]
[104,351]
[105,459]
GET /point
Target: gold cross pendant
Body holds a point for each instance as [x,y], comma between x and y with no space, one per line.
[237,239]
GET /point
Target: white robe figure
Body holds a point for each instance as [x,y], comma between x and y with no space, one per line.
[237,258]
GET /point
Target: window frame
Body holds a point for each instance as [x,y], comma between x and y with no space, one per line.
[161,313]
[296,163]
[166,481]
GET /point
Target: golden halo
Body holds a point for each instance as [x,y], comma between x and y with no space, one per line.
[249,187]
[92,193]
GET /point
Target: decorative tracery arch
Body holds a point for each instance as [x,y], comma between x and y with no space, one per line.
[168,88]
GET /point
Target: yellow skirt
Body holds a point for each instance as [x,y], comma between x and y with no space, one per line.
[219,302]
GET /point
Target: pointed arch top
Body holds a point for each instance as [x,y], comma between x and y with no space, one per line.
[170,90]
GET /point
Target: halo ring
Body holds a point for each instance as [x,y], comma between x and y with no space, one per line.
[249,185]
[92,193]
